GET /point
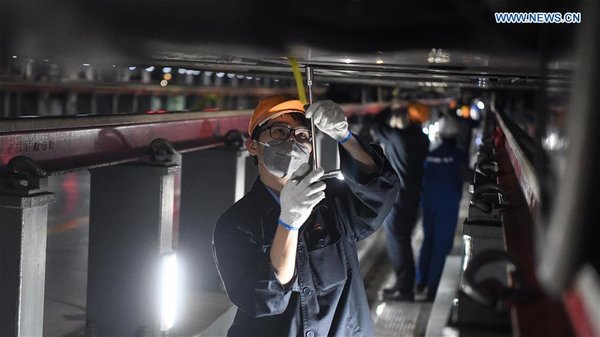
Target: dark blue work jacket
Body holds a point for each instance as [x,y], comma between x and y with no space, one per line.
[327,296]
[406,149]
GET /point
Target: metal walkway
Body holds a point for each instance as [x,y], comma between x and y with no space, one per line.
[406,319]
[392,318]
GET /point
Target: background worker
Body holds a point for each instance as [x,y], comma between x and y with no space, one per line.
[405,146]
[445,168]
[286,251]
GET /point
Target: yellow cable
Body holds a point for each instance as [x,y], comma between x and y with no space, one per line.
[298,78]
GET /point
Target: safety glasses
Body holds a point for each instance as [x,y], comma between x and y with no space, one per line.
[284,132]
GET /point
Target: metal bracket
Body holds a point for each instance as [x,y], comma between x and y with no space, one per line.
[164,153]
[234,139]
[490,291]
[24,177]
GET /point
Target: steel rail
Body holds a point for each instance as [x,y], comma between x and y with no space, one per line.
[139,88]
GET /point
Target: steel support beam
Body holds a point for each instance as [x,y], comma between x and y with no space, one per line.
[131,229]
[23,227]
[63,144]
[208,190]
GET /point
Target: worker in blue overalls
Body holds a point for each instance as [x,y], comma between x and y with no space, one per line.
[442,191]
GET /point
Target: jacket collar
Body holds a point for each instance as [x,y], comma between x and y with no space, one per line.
[267,209]
[262,198]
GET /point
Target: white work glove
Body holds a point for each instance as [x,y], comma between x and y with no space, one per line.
[329,117]
[299,196]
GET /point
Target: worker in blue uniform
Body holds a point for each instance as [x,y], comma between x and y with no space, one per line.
[286,252]
[442,191]
[405,146]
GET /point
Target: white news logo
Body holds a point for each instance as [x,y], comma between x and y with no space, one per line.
[537,17]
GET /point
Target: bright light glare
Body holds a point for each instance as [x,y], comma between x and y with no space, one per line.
[347,61]
[164,83]
[480,105]
[131,68]
[425,130]
[220,74]
[169,289]
[150,69]
[468,251]
[552,140]
[434,129]
[14,56]
[86,64]
[181,71]
[474,113]
[478,140]
[167,70]
[450,332]
[379,309]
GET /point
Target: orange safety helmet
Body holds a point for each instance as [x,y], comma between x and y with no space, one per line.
[465,111]
[418,112]
[452,105]
[271,107]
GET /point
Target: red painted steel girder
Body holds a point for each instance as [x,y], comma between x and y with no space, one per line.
[62,144]
[66,144]
[523,168]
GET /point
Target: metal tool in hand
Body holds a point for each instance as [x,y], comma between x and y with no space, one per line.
[309,80]
[315,165]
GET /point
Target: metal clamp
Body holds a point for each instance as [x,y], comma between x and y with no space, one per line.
[490,291]
[488,167]
[234,139]
[163,152]
[486,204]
[25,177]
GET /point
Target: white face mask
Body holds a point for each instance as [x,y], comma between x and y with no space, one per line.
[282,158]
